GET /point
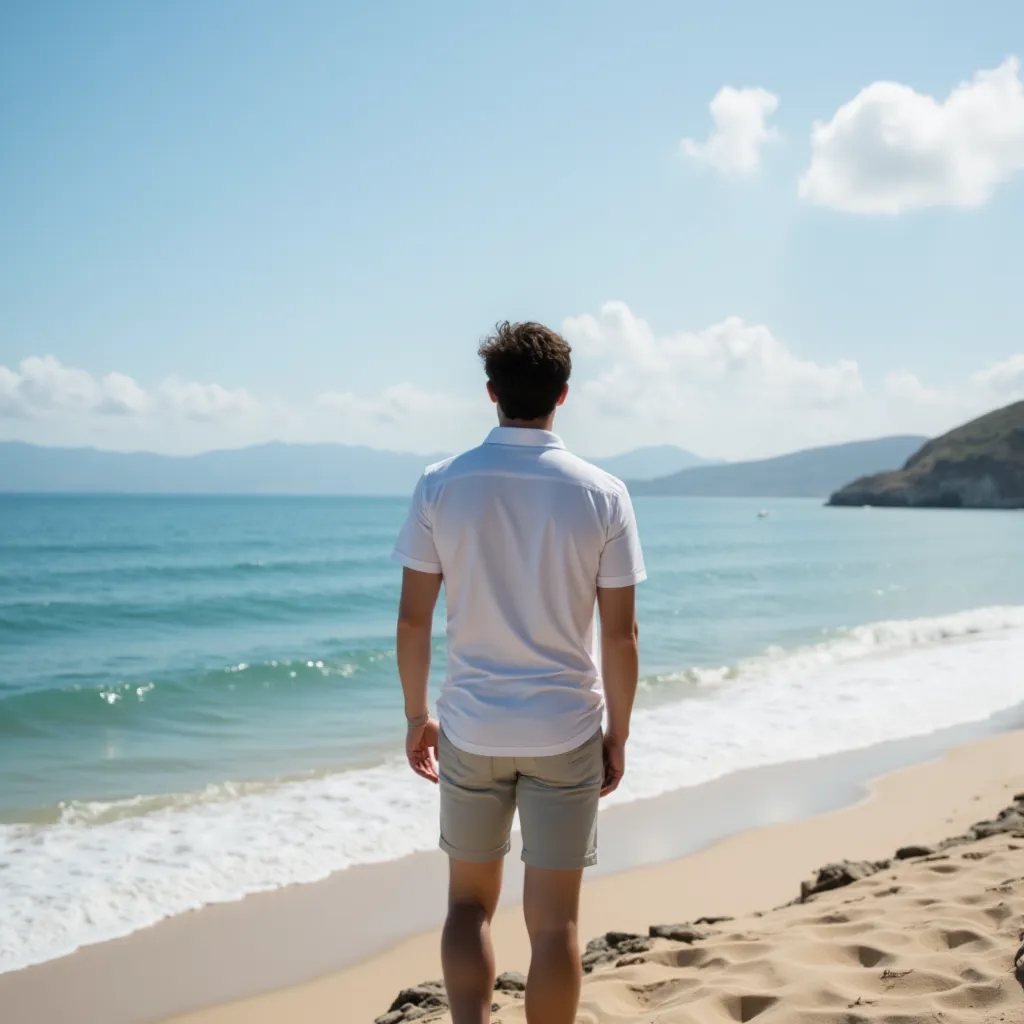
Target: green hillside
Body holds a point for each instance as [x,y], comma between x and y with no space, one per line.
[978,465]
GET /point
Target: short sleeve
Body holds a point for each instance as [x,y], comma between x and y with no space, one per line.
[415,545]
[622,561]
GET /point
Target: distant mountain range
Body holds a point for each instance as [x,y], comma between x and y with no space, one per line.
[262,469]
[649,463]
[345,469]
[812,473]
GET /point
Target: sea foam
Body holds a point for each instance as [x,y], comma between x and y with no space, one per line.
[107,869]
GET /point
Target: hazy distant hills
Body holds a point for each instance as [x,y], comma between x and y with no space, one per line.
[345,469]
[263,469]
[649,463]
[812,473]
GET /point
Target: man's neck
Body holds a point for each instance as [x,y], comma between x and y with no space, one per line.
[547,423]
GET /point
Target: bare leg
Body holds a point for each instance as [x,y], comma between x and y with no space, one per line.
[551,903]
[466,951]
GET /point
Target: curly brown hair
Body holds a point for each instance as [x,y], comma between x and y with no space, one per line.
[528,366]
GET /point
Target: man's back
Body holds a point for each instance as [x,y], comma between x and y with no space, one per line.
[527,539]
[524,534]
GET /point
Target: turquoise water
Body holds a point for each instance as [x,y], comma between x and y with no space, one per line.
[173,670]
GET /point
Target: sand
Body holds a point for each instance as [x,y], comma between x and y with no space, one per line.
[953,924]
[803,963]
[931,940]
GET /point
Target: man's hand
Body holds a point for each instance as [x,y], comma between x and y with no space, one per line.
[421,750]
[614,764]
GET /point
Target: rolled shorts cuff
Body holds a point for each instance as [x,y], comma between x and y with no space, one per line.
[475,856]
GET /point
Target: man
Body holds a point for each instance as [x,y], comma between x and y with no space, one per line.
[527,539]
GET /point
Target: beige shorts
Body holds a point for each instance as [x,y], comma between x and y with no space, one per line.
[557,797]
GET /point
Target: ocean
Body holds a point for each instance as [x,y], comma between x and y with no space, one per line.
[199,700]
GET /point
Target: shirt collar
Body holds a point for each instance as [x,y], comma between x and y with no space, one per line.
[524,437]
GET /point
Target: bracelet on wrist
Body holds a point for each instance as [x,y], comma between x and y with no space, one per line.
[418,721]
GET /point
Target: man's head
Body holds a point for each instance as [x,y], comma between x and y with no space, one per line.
[528,368]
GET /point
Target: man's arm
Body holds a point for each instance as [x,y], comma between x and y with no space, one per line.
[620,668]
[415,619]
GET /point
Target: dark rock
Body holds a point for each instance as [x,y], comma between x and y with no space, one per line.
[677,933]
[392,1017]
[835,876]
[907,852]
[1010,819]
[629,961]
[1018,966]
[952,841]
[428,995]
[712,920]
[511,981]
[610,947]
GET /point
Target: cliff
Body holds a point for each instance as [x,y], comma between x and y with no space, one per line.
[978,465]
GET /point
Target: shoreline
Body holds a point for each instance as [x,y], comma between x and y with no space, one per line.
[919,804]
[123,867]
[359,936]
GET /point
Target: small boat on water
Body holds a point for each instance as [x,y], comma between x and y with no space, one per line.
[763,514]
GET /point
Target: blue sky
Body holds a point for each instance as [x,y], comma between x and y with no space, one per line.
[224,222]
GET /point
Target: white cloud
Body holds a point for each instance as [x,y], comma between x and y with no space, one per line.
[933,410]
[43,385]
[121,395]
[204,401]
[907,387]
[736,390]
[733,390]
[745,359]
[734,146]
[892,149]
[994,385]
[392,405]
[43,400]
[1005,378]
[403,417]
[11,401]
[43,388]
[930,410]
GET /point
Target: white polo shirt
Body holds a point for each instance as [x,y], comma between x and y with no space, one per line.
[524,533]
